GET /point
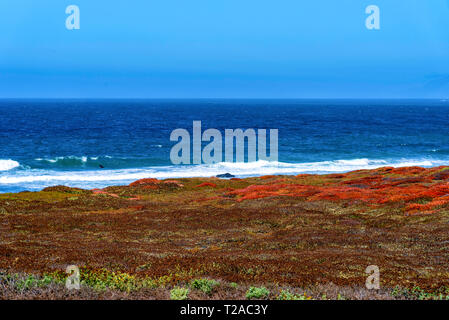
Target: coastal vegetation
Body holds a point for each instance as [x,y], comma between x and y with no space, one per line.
[298,237]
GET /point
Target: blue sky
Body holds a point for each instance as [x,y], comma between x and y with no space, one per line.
[224,49]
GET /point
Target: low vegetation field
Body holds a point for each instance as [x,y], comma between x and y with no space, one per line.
[272,237]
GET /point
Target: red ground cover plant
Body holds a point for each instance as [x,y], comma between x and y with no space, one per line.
[206,184]
[143,182]
[415,188]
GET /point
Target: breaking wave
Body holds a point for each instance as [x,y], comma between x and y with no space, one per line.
[36,179]
[8,165]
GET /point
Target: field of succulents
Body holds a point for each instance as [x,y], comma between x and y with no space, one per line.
[290,234]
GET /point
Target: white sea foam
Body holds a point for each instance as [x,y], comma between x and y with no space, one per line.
[8,165]
[89,178]
[57,159]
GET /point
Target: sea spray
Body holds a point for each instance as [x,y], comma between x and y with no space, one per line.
[8,165]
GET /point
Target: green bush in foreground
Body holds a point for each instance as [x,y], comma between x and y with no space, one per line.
[31,281]
[416,293]
[257,293]
[179,293]
[205,285]
[287,295]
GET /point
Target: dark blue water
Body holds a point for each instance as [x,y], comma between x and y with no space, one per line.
[49,142]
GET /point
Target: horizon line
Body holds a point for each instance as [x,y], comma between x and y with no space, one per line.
[199,98]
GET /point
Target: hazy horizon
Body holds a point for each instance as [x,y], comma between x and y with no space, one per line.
[220,50]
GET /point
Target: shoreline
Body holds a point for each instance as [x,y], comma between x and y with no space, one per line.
[129,175]
[224,175]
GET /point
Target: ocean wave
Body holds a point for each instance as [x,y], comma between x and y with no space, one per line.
[76,162]
[267,168]
[88,178]
[8,164]
[67,159]
[86,162]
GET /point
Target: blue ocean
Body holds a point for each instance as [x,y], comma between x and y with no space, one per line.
[97,143]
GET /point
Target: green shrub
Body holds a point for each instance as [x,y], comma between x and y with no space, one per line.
[46,280]
[205,285]
[179,293]
[27,283]
[32,282]
[233,285]
[257,293]
[287,295]
[101,279]
[419,294]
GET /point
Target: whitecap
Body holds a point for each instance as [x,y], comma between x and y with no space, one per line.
[40,178]
[8,164]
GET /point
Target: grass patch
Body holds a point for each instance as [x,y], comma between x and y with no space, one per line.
[416,293]
[204,285]
[233,285]
[104,279]
[287,295]
[178,293]
[257,293]
[27,282]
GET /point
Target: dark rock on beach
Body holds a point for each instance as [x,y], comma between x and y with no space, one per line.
[225,175]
